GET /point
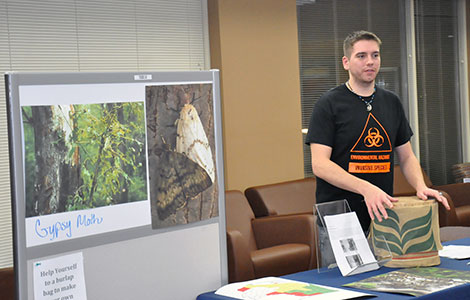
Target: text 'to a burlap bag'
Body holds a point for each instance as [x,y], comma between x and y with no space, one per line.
[411,232]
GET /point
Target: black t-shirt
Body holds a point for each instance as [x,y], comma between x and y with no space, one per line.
[362,142]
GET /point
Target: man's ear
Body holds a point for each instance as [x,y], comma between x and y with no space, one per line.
[345,61]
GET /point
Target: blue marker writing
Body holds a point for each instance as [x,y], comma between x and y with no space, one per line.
[84,220]
[53,231]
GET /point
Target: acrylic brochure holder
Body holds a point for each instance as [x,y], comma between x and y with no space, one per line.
[326,260]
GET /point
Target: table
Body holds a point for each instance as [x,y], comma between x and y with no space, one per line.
[335,279]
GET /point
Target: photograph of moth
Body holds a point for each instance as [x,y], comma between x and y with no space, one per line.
[181,154]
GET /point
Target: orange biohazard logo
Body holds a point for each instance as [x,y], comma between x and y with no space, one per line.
[371,152]
[373,138]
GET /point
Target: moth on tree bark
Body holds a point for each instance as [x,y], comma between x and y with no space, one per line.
[191,140]
[180,139]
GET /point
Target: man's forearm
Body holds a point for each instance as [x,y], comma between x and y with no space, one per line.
[412,170]
[375,198]
[337,176]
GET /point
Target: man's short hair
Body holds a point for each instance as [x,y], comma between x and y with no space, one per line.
[356,36]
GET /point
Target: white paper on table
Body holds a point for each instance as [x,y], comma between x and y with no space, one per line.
[455,252]
[350,246]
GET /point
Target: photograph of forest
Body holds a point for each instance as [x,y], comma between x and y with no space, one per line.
[83,156]
[181,154]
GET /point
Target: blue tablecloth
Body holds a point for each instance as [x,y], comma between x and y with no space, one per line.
[335,279]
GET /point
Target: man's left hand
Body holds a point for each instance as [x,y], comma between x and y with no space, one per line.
[432,193]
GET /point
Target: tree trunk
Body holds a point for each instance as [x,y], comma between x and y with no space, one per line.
[56,175]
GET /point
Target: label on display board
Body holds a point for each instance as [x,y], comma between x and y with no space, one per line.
[60,278]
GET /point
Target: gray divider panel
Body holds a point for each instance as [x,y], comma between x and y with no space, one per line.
[170,245]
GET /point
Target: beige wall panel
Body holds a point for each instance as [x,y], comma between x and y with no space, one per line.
[254,44]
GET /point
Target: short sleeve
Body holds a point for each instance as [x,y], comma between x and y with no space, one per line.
[322,126]
[404,132]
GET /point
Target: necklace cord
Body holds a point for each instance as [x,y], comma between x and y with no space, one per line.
[367,102]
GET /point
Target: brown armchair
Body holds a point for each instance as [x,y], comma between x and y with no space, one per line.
[298,196]
[7,283]
[283,198]
[459,195]
[272,246]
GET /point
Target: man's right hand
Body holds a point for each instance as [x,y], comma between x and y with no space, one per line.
[377,201]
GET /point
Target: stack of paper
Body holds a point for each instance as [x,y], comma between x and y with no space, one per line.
[455,252]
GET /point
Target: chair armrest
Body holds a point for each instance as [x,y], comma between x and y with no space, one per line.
[277,230]
[447,217]
[459,192]
[258,206]
[286,229]
[240,266]
[282,198]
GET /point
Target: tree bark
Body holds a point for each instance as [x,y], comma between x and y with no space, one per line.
[56,175]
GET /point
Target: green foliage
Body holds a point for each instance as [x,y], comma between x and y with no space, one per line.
[111,142]
[108,144]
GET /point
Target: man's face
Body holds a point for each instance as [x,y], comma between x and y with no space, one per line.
[364,62]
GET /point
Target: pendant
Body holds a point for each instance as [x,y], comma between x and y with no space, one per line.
[369,107]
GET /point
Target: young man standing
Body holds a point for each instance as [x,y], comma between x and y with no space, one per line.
[354,131]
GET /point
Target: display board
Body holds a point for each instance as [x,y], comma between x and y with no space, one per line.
[117,184]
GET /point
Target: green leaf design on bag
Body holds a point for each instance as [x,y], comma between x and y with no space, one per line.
[417,222]
[391,222]
[393,247]
[390,237]
[393,215]
[398,238]
[420,231]
[428,245]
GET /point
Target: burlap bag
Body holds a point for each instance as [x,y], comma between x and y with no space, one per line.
[411,232]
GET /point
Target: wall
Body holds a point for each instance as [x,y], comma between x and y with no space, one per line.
[254,44]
